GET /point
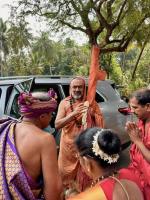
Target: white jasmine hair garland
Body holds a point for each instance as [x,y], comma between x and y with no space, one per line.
[98,152]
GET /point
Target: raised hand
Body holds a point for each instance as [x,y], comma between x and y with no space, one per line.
[133,131]
[80,108]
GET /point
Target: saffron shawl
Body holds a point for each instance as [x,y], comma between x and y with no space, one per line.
[68,161]
[13,181]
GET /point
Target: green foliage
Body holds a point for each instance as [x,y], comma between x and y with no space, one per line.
[19,36]
[116,72]
[4,50]
[110,64]
[111,24]
[41,55]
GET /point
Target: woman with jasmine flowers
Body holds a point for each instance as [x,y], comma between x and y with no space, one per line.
[99,152]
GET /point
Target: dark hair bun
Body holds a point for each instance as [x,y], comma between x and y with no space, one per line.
[108,142]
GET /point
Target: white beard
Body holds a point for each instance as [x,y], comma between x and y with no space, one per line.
[77,97]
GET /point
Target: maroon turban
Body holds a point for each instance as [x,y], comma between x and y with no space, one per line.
[32,107]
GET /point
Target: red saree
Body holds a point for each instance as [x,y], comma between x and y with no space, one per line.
[104,189]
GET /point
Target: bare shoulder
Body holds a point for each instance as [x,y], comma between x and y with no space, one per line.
[46,138]
[63,106]
[48,148]
[64,102]
[40,138]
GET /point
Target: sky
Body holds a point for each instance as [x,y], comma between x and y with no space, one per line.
[4,11]
[36,26]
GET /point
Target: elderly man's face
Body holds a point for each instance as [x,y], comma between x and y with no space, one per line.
[77,89]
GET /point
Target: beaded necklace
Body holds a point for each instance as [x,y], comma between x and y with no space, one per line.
[78,122]
[113,177]
[94,182]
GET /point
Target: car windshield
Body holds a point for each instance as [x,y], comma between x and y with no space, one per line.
[116,88]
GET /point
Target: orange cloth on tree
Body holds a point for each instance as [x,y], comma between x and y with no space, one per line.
[95,74]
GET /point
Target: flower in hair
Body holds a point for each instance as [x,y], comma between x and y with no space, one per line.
[98,152]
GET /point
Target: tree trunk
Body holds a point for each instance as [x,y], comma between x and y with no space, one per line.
[139,57]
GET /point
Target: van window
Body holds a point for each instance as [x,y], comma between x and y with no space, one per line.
[66,90]
[15,108]
[113,85]
[9,90]
[99,98]
[46,87]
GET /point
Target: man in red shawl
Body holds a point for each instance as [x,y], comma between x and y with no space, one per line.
[140,136]
[75,114]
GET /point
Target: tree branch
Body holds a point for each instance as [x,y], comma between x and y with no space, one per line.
[120,13]
[75,7]
[100,17]
[134,31]
[109,9]
[81,3]
[124,43]
[100,4]
[73,27]
[141,52]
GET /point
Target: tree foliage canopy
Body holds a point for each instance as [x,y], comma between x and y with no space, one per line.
[113,24]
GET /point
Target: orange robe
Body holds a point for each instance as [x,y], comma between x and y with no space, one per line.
[68,161]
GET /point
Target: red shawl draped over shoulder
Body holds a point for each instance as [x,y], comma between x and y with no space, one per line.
[139,165]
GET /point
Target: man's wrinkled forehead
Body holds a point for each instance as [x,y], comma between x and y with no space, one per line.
[77,82]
